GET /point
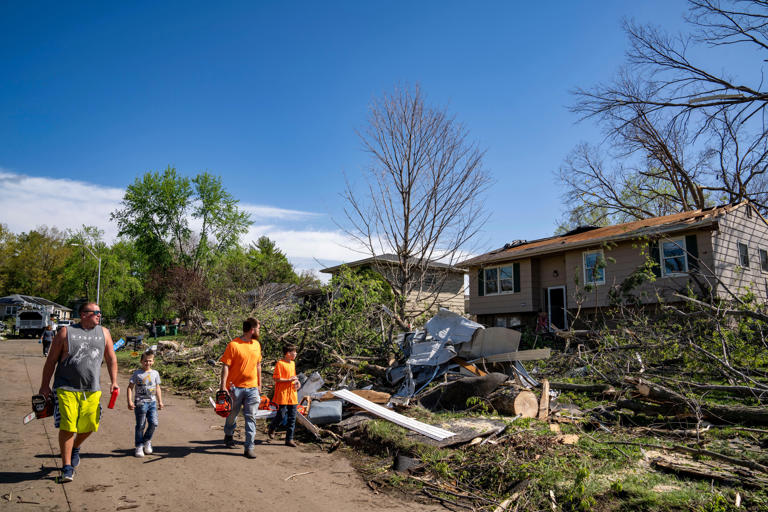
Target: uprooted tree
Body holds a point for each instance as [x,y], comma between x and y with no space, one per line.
[682,133]
[423,197]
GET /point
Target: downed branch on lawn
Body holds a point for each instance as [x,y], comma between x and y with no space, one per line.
[713,412]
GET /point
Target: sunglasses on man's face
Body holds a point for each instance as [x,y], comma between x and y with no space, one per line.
[95,312]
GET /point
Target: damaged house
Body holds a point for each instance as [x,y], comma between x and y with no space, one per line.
[441,287]
[714,251]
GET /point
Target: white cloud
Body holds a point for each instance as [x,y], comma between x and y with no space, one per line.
[308,249]
[260,212]
[27,202]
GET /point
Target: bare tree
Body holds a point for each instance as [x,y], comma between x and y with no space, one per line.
[422,201]
[701,134]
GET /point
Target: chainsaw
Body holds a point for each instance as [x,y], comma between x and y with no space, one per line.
[42,407]
[223,403]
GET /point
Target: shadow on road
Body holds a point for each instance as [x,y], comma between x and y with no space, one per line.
[17,477]
[179,452]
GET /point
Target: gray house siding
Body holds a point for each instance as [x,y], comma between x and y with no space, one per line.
[742,225]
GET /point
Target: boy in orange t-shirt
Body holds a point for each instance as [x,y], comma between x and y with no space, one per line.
[286,385]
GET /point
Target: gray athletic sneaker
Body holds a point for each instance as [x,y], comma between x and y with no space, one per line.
[67,473]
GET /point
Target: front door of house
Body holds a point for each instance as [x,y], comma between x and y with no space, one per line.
[558,317]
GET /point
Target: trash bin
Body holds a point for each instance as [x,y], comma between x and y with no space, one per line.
[172,330]
[161,330]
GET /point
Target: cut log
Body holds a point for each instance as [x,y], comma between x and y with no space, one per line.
[503,400]
[544,403]
[526,404]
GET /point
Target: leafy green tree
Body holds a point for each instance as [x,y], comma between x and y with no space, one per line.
[34,262]
[157,210]
[269,264]
[7,248]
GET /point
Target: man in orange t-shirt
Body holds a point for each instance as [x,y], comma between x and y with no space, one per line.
[241,379]
[286,385]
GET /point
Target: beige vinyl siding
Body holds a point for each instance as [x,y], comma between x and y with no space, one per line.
[735,227]
[621,261]
[449,294]
[503,303]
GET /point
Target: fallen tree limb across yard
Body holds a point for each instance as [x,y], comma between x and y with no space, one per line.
[699,452]
[718,474]
[582,388]
[738,414]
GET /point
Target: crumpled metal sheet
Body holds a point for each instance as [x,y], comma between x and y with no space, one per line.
[451,327]
[431,353]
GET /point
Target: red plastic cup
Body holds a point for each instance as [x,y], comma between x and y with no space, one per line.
[113,399]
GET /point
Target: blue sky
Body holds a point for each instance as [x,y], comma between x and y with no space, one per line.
[269,96]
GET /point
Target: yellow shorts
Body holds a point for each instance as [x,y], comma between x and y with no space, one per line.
[77,411]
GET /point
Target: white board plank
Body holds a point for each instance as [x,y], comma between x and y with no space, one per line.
[430,431]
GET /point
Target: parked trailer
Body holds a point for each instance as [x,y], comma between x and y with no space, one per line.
[32,322]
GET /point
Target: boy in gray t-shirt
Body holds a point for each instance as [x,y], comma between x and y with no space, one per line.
[148,399]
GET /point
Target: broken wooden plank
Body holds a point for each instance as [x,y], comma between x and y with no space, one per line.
[430,431]
[520,355]
[544,403]
[469,366]
[304,422]
[377,397]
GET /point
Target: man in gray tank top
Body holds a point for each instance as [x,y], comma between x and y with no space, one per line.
[75,357]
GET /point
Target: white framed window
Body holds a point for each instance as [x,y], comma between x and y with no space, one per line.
[743,255]
[674,257]
[499,280]
[594,267]
[763,260]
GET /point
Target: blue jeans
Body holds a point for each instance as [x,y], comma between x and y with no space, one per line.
[286,415]
[146,416]
[248,399]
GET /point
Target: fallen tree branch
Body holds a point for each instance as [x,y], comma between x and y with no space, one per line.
[716,412]
[584,388]
[724,312]
[728,478]
[728,366]
[697,451]
[745,391]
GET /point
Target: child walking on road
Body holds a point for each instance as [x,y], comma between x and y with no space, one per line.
[286,385]
[148,399]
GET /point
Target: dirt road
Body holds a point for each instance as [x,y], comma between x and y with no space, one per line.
[190,469]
